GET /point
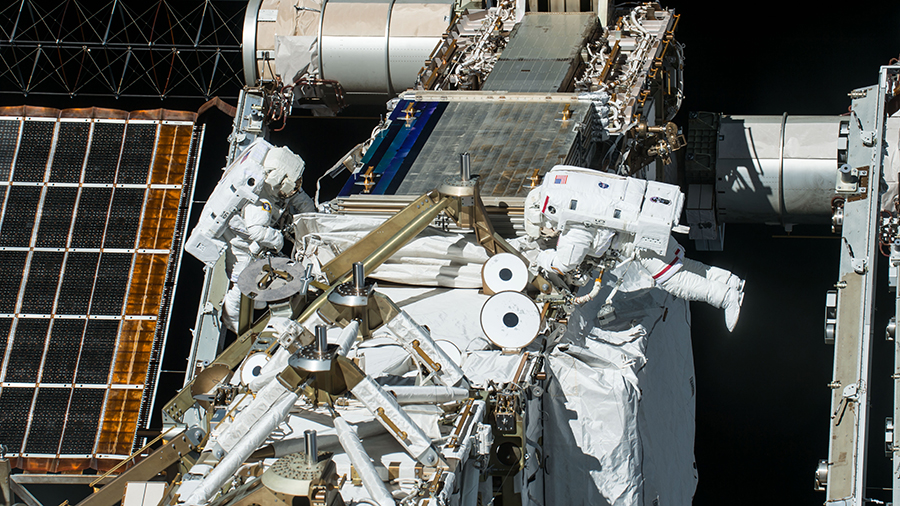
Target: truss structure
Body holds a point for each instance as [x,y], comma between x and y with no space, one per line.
[164,49]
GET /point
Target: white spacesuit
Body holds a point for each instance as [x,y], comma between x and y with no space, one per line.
[237,220]
[593,212]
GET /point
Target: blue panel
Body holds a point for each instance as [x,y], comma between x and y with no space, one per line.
[390,154]
[419,129]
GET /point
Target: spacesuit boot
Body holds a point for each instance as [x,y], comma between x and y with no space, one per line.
[713,273]
[231,308]
[732,305]
[692,286]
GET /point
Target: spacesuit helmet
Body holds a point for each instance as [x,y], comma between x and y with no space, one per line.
[284,172]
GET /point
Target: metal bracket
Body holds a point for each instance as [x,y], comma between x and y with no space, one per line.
[867,138]
[850,394]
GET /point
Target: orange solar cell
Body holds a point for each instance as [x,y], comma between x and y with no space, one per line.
[160,215]
[147,282]
[133,352]
[119,422]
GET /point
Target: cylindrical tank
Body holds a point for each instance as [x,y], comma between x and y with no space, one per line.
[777,169]
[373,48]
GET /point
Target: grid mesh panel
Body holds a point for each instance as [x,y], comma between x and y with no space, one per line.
[112,280]
[90,221]
[43,279]
[106,142]
[15,403]
[68,158]
[56,217]
[137,153]
[84,417]
[18,220]
[97,351]
[27,350]
[11,265]
[72,347]
[31,162]
[147,280]
[48,420]
[124,216]
[62,351]
[5,326]
[78,281]
[9,135]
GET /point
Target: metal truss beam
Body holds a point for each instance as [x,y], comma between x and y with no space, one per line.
[125,48]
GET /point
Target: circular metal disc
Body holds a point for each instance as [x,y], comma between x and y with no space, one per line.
[504,272]
[266,283]
[252,367]
[308,358]
[450,349]
[510,320]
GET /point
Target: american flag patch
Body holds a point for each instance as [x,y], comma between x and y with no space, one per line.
[560,179]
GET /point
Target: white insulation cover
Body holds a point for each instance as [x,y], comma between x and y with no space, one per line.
[621,406]
[434,258]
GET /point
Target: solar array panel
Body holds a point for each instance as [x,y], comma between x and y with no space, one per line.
[92,211]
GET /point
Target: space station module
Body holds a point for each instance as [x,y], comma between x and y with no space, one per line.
[595,212]
[238,218]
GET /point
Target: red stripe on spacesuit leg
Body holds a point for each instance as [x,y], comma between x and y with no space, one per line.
[546,201]
[671,264]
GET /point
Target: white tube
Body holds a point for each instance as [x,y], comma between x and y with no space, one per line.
[249,416]
[226,467]
[466,440]
[361,462]
[347,338]
[427,394]
[589,296]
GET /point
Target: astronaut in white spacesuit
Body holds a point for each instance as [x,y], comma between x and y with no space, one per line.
[593,212]
[251,231]
[239,217]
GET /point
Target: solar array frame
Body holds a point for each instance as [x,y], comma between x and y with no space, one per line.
[92,214]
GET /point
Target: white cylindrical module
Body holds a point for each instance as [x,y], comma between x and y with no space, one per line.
[226,467]
[347,338]
[373,48]
[427,394]
[378,47]
[777,169]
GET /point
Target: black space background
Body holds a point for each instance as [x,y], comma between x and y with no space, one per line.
[762,402]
